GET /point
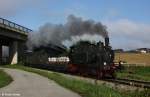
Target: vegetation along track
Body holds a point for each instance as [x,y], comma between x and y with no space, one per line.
[137,83]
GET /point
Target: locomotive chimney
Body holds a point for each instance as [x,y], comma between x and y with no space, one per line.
[106,41]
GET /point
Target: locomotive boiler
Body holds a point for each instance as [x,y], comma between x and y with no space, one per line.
[92,58]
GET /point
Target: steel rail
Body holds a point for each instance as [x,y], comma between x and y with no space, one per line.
[137,83]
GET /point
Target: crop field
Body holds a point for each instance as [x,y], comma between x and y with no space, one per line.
[137,66]
[134,58]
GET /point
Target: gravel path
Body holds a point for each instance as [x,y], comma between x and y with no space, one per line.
[28,84]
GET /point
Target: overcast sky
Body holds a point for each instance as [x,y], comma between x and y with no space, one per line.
[128,21]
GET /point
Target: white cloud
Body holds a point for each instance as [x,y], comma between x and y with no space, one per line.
[128,34]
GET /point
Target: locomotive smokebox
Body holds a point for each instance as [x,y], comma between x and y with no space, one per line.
[106,41]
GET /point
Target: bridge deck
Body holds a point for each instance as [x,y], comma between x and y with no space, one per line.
[14,27]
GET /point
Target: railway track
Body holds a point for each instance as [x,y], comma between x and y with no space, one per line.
[129,82]
[137,83]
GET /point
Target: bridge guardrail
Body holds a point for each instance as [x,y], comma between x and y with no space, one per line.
[14,26]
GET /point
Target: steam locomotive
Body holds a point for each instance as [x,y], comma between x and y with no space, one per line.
[84,58]
[89,58]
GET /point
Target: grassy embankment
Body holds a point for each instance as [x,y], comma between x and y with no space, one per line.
[5,79]
[135,72]
[85,89]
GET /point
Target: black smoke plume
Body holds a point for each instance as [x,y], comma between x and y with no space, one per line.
[57,33]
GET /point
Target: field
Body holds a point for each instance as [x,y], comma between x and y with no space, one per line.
[137,65]
[134,58]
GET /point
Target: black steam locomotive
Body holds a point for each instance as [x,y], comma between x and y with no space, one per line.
[92,58]
[84,58]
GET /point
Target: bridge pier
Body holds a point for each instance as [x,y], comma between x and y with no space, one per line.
[0,54]
[14,36]
[13,52]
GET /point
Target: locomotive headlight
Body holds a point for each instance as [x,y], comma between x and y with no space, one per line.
[104,63]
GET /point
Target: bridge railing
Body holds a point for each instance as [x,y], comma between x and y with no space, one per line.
[13,26]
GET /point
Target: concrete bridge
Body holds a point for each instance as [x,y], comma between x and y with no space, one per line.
[14,36]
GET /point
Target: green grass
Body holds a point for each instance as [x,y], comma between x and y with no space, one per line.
[85,89]
[5,79]
[133,72]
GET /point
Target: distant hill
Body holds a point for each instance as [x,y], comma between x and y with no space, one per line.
[138,50]
[118,50]
[141,50]
[145,49]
